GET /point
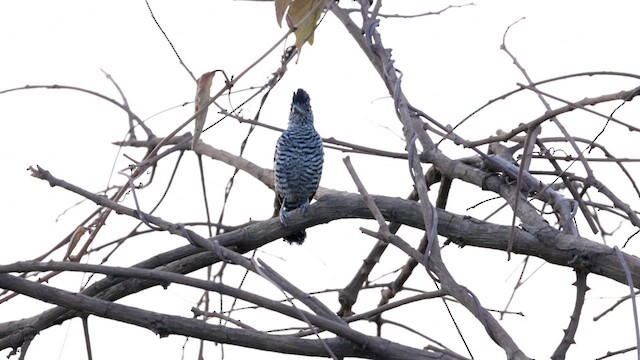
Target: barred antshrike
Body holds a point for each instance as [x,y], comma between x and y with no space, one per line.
[297,163]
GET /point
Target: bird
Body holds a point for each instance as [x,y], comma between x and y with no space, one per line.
[297,163]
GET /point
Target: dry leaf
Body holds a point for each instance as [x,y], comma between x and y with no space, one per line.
[202,97]
[75,238]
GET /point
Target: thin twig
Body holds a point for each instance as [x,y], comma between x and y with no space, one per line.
[169,41]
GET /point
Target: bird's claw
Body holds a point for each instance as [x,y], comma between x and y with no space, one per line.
[305,207]
[283,216]
[283,212]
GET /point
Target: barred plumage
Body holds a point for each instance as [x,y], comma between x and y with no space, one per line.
[297,163]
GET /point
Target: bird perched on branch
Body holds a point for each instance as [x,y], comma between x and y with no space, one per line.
[297,163]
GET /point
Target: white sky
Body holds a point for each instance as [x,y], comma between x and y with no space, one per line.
[452,64]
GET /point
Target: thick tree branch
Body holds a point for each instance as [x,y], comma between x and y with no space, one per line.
[164,325]
[546,243]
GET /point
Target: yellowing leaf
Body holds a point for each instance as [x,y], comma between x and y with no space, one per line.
[281,8]
[302,15]
[202,97]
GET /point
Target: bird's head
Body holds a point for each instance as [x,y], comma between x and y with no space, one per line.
[301,103]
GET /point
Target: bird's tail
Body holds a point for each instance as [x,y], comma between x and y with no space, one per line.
[297,238]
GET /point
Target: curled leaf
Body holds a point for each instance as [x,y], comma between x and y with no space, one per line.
[75,238]
[202,97]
